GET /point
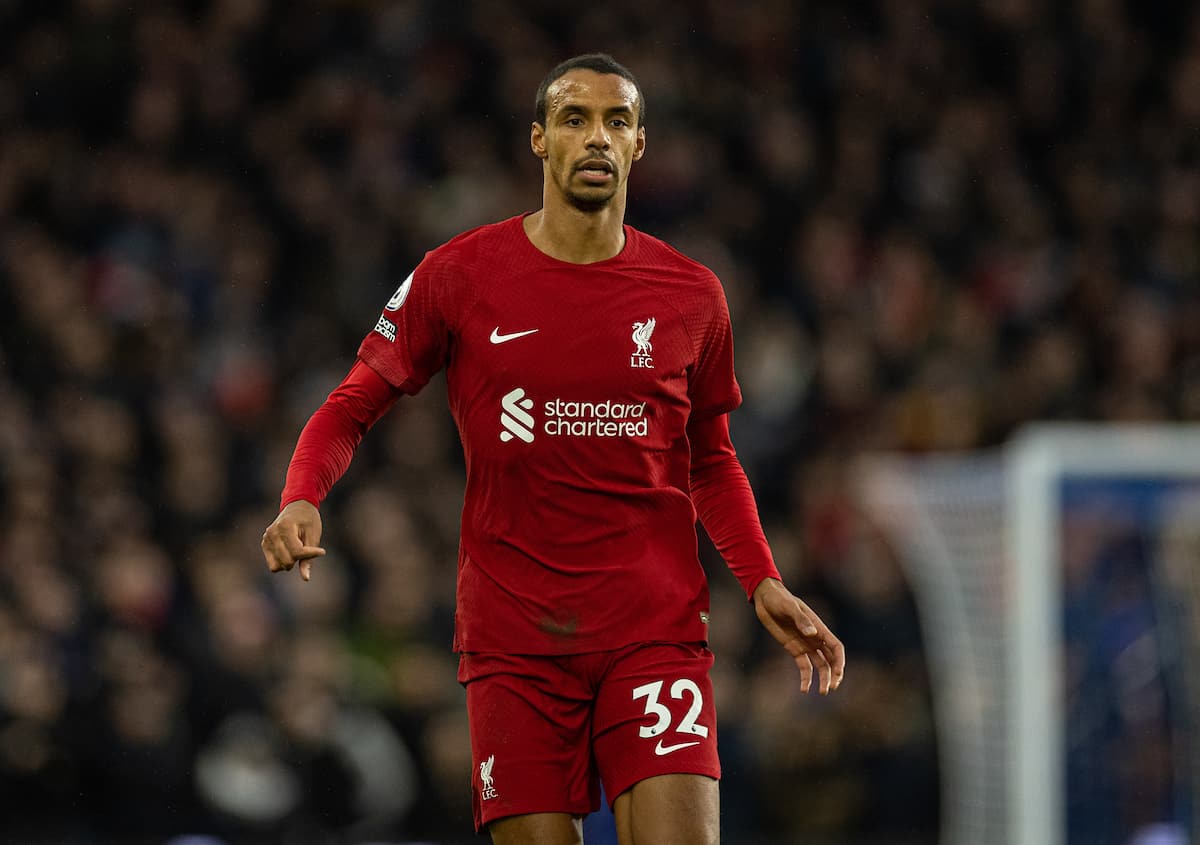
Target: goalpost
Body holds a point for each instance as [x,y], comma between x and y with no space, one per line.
[984,539]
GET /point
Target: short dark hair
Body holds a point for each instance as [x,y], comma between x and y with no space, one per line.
[600,63]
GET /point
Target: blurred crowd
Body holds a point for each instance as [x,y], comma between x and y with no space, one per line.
[935,221]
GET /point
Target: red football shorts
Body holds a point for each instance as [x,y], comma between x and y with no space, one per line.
[546,731]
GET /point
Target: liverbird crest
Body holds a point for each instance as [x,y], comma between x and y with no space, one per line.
[641,336]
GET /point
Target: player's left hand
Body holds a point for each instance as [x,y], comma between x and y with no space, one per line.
[799,630]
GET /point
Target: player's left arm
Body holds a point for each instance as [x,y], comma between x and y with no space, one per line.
[726,507]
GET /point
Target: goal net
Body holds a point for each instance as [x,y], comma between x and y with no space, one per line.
[1058,583]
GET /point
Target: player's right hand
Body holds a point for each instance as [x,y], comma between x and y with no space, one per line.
[293,537]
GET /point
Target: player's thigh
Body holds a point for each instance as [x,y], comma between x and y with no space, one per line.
[655,716]
[537,829]
[529,724]
[669,810]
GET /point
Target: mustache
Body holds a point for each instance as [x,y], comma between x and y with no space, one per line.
[592,159]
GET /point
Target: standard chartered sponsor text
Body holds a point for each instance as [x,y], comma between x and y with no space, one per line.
[595,419]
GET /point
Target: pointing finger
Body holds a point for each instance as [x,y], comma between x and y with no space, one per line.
[283,555]
[308,553]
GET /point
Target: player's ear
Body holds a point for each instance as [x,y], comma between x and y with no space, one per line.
[639,146]
[537,140]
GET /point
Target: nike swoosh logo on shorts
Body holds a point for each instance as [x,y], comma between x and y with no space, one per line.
[661,749]
[505,338]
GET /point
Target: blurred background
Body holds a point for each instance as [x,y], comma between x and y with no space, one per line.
[936,221]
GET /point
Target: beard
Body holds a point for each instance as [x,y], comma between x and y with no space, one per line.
[589,203]
[591,199]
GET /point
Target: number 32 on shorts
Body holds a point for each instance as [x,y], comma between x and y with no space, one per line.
[687,725]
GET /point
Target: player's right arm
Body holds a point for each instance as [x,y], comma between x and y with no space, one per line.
[323,453]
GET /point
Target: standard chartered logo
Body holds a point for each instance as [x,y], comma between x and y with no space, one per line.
[515,417]
[595,419]
[571,418]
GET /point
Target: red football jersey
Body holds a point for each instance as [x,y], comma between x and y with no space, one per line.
[571,386]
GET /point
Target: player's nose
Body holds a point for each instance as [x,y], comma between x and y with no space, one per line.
[598,138]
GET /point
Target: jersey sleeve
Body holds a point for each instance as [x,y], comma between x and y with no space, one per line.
[712,386]
[725,503]
[328,442]
[411,339]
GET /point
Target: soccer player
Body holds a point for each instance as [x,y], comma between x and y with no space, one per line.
[590,373]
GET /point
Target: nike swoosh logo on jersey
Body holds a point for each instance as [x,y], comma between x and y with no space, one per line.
[661,749]
[505,338]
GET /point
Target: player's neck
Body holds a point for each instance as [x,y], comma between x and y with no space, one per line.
[580,237]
